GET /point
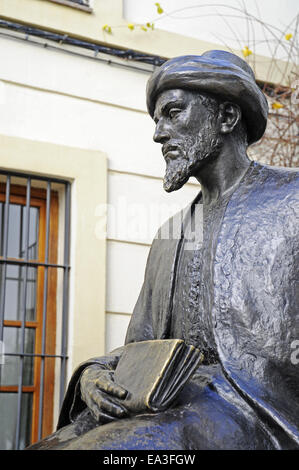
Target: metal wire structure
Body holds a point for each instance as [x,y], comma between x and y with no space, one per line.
[27,263]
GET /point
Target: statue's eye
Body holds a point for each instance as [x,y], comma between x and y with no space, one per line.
[173,112]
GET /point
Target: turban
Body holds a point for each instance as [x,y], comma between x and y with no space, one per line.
[219,73]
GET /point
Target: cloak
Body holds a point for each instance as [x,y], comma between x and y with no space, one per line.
[252,292]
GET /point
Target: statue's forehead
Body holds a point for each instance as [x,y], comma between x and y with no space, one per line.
[173,95]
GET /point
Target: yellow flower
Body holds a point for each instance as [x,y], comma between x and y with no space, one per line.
[107,28]
[246,51]
[159,8]
[150,25]
[143,28]
[131,26]
[277,105]
[288,36]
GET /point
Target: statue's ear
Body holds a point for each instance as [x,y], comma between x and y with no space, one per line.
[229,115]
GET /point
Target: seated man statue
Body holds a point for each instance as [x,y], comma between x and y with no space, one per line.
[233,295]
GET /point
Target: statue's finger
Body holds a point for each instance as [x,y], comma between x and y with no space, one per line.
[111,387]
[104,418]
[107,406]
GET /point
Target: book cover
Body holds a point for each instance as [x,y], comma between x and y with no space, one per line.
[153,372]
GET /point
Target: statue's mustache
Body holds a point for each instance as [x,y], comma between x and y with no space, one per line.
[170,147]
[176,148]
[181,145]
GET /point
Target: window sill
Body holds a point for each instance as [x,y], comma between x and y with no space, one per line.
[69,3]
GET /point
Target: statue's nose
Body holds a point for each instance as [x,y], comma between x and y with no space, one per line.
[161,134]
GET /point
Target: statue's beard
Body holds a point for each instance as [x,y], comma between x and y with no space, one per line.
[192,152]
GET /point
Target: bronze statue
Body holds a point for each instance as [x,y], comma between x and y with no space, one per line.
[233,294]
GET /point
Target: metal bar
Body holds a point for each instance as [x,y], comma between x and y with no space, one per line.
[64,332]
[17,174]
[5,250]
[8,278]
[44,318]
[32,263]
[26,262]
[23,317]
[20,266]
[34,355]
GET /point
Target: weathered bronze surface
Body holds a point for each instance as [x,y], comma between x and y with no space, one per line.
[233,293]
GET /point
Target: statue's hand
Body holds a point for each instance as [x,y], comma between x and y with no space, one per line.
[102,395]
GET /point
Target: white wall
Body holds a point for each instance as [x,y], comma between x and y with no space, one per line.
[54,97]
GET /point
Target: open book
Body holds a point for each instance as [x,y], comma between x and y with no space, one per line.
[153,372]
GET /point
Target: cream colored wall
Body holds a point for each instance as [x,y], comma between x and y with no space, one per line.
[59,18]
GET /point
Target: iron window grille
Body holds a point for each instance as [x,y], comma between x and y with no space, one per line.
[25,262]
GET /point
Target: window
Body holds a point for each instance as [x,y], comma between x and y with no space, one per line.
[33,304]
[79,4]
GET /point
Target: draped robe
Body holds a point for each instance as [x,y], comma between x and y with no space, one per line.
[250,303]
